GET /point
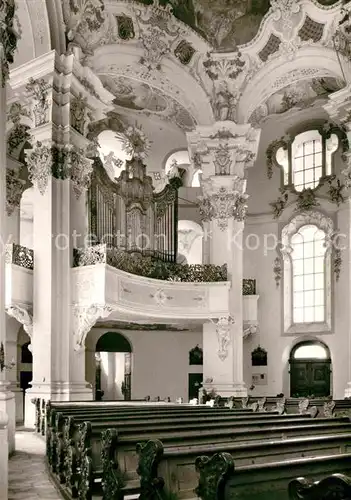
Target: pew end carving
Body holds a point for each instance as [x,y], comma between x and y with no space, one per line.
[334,487]
[150,455]
[214,472]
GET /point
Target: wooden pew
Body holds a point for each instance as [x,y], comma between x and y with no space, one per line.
[121,444]
[336,487]
[221,479]
[262,469]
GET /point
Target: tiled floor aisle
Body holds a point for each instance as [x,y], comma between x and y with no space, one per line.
[28,479]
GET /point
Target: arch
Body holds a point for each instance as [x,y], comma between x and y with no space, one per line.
[309,62]
[190,239]
[26,354]
[113,342]
[113,367]
[310,349]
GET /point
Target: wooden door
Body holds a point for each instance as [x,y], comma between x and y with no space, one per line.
[195,383]
[309,378]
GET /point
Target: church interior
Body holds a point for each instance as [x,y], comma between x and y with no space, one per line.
[175,265]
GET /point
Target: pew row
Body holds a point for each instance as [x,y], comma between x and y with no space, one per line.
[120,445]
[260,471]
[336,487]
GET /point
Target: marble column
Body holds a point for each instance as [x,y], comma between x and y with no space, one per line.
[339,109]
[225,151]
[7,399]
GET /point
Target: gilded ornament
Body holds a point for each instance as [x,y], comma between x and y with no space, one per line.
[78,113]
[277,270]
[184,52]
[38,89]
[19,133]
[8,37]
[222,160]
[125,27]
[280,204]
[213,472]
[39,161]
[14,189]
[306,200]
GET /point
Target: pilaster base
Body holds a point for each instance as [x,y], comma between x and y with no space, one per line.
[348,391]
[237,390]
[19,401]
[8,406]
[56,391]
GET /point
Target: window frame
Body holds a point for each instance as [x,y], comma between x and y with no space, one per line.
[325,224]
[325,130]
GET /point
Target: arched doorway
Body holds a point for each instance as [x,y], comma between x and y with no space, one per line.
[113,367]
[310,367]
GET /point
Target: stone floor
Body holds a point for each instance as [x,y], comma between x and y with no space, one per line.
[28,478]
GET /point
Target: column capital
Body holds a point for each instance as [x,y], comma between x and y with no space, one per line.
[225,148]
[61,162]
[223,198]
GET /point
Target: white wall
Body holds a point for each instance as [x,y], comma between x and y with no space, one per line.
[160,361]
[258,263]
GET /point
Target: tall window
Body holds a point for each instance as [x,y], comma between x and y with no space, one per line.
[307,159]
[308,252]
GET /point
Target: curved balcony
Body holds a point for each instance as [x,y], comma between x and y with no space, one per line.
[131,284]
[109,280]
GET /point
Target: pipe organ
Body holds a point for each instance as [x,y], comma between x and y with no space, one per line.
[127,214]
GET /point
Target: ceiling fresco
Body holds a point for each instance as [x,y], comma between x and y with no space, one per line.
[133,94]
[223,23]
[142,97]
[297,96]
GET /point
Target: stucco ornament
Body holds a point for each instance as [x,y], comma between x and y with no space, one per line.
[134,142]
[82,17]
[14,190]
[84,318]
[80,170]
[8,36]
[23,315]
[346,172]
[223,203]
[223,327]
[224,74]
[39,162]
[19,133]
[284,12]
[38,90]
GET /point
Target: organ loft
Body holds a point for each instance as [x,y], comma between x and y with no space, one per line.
[175,260]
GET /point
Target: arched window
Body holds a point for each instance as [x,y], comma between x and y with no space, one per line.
[310,350]
[307,159]
[306,252]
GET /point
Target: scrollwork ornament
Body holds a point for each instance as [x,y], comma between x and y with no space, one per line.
[223,204]
[84,318]
[223,330]
[23,316]
[336,487]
